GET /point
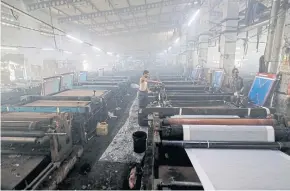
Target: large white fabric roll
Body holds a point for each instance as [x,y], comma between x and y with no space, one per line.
[228,133]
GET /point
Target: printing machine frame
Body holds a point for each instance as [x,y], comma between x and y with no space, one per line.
[171,152]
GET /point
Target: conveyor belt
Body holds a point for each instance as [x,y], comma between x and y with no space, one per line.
[224,169]
[80,93]
[57,103]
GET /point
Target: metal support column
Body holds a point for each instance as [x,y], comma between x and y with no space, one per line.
[275,56]
[271,31]
[228,37]
[204,36]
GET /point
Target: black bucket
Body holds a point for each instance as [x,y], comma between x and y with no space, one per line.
[139,141]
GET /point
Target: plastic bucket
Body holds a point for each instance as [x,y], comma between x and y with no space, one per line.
[139,141]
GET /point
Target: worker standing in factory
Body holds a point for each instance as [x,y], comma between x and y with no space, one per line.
[144,90]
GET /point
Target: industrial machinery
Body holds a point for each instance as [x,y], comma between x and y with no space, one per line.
[89,105]
[33,146]
[11,94]
[225,149]
[43,136]
[212,143]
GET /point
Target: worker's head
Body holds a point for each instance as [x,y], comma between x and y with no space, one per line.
[146,73]
[235,72]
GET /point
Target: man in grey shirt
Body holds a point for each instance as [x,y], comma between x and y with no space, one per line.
[235,85]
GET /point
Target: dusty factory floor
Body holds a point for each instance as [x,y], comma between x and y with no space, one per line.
[107,158]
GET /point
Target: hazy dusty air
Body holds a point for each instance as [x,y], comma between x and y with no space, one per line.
[145,95]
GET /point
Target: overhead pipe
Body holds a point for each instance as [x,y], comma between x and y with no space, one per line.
[227,145]
[188,121]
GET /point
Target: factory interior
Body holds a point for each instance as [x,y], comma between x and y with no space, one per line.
[145,95]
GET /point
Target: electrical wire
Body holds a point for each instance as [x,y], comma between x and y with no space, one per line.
[29,15]
[55,44]
[32,29]
[41,21]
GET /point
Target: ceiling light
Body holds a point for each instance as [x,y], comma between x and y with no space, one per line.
[47,49]
[83,54]
[118,55]
[169,48]
[96,48]
[177,40]
[73,38]
[8,48]
[98,55]
[68,52]
[193,17]
[110,53]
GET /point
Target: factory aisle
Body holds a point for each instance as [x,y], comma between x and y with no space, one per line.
[80,180]
[110,156]
[121,148]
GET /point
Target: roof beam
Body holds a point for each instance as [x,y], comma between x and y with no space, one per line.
[155,26]
[127,10]
[51,3]
[174,16]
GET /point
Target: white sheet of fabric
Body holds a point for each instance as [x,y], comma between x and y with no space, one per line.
[225,169]
[228,133]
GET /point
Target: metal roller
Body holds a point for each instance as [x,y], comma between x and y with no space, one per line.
[181,184]
[18,139]
[176,132]
[186,121]
[22,133]
[28,133]
[25,140]
[227,145]
[17,125]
